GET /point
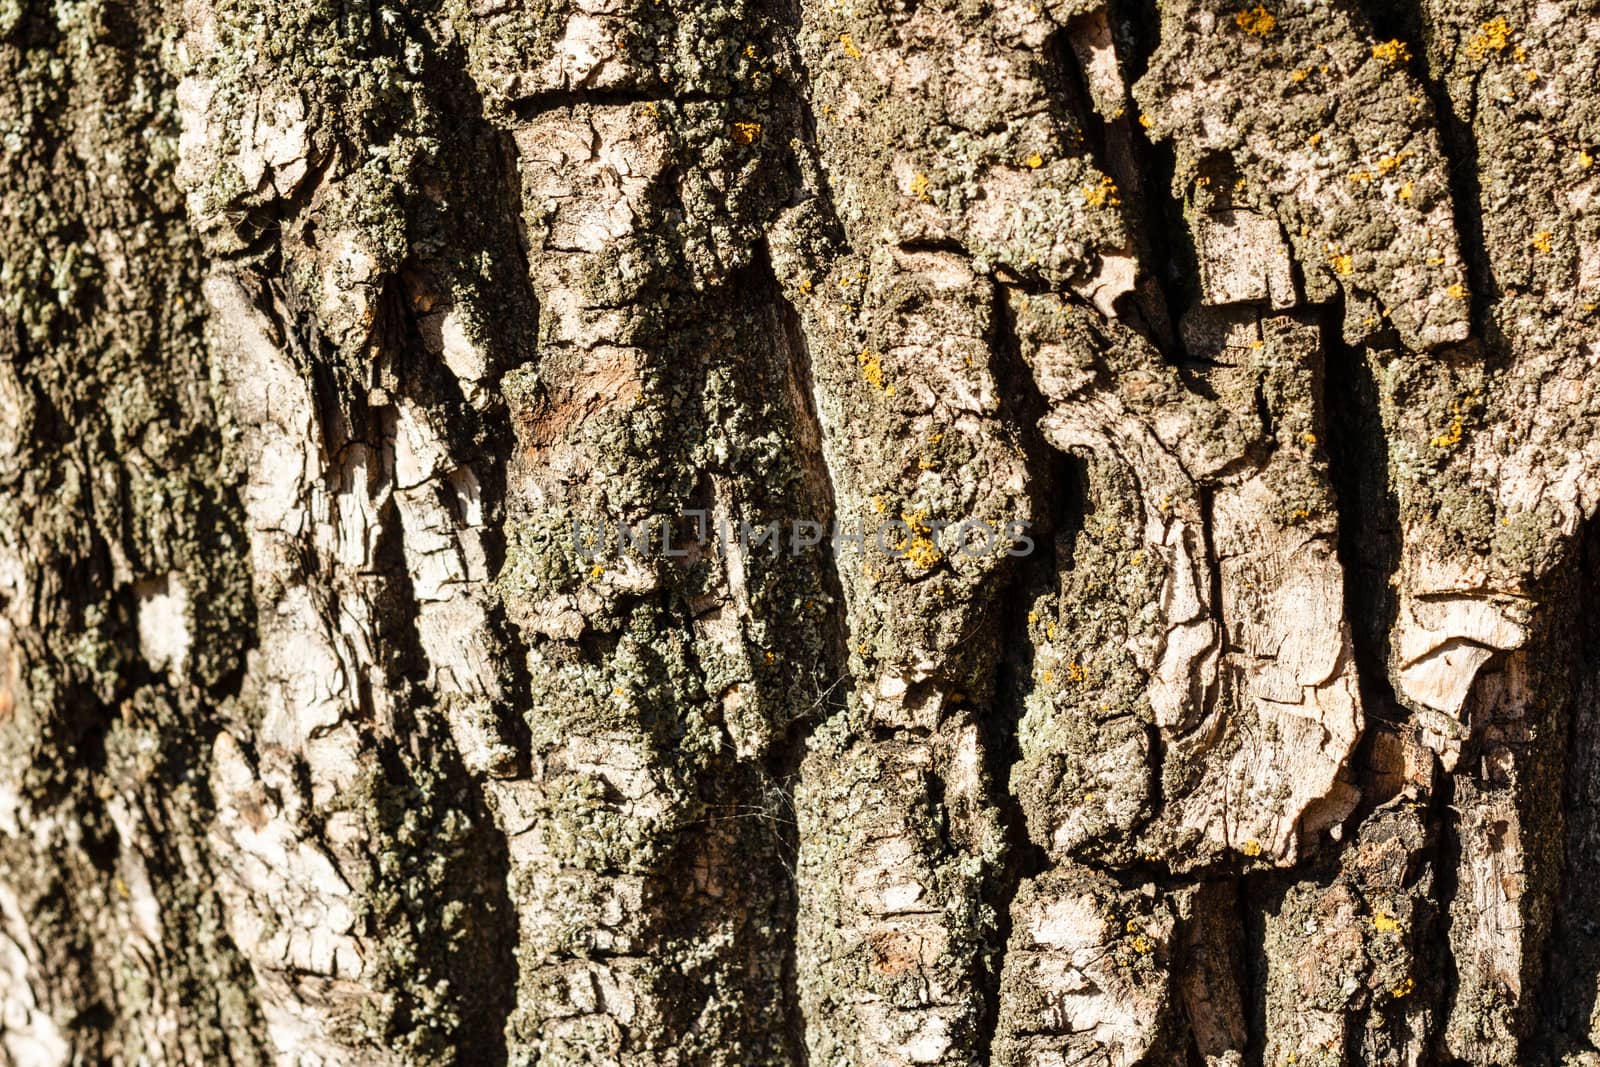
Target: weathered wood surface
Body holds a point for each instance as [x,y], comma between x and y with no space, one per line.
[323,741]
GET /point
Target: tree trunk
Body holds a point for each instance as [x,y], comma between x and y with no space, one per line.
[483,576]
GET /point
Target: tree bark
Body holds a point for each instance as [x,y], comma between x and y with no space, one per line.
[398,664]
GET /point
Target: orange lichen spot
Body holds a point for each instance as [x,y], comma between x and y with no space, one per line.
[1449,439]
[1256,21]
[1144,120]
[923,552]
[1102,194]
[1403,989]
[1388,163]
[746,132]
[1492,36]
[1585,160]
[1532,76]
[596,571]
[1314,140]
[1251,848]
[1034,161]
[1405,191]
[1298,76]
[1392,52]
[1343,263]
[1458,291]
[1541,241]
[849,45]
[1309,438]
[1385,924]
[1077,672]
[1360,176]
[750,52]
[871,368]
[919,187]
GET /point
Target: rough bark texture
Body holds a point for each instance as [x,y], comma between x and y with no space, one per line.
[323,741]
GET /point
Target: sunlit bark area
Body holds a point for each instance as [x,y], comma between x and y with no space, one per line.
[833,533]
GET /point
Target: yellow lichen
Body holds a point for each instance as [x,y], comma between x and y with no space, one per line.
[1102,194]
[1343,262]
[1449,438]
[1405,191]
[871,368]
[1585,160]
[1035,161]
[1251,848]
[746,132]
[1403,989]
[1492,36]
[1360,176]
[1541,241]
[1387,164]
[1298,76]
[919,187]
[1256,21]
[1077,672]
[1392,52]
[1144,120]
[849,45]
[1385,924]
[1458,291]
[923,552]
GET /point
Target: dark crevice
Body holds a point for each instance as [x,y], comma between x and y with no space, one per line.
[1369,536]
[1065,79]
[1167,249]
[1407,21]
[530,108]
[1570,995]
[1057,487]
[785,759]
